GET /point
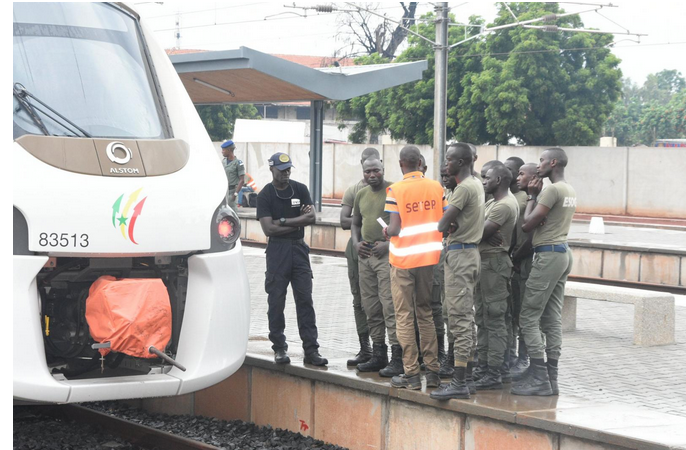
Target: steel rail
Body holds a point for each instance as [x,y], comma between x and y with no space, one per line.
[135,433]
[677,290]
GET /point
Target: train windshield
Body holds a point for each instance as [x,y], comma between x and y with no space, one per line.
[80,69]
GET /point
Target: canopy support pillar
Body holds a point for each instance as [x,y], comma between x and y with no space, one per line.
[316,151]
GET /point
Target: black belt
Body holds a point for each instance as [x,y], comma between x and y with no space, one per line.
[460,246]
[559,248]
[286,241]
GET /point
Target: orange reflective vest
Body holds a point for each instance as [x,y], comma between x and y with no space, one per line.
[420,203]
[250,182]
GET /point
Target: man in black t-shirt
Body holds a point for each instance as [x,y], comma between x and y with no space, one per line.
[284,209]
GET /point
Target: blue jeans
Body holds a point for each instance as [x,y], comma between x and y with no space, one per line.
[240,194]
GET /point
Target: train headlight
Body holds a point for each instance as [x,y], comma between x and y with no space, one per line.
[225,230]
[228,225]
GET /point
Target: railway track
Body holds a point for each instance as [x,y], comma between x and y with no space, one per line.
[141,435]
[677,290]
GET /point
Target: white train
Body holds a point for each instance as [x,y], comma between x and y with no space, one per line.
[115,175]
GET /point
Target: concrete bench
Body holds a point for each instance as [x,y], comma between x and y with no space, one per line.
[653,311]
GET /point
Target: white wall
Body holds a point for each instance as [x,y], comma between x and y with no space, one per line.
[656,182]
[640,181]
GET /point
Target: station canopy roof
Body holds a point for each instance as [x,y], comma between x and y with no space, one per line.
[248,76]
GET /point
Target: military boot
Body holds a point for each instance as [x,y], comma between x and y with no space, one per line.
[552,374]
[413,382]
[378,361]
[522,360]
[395,366]
[490,380]
[447,366]
[457,388]
[365,353]
[518,371]
[480,370]
[537,383]
[469,378]
[432,379]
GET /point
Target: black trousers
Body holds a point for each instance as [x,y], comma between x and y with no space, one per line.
[289,262]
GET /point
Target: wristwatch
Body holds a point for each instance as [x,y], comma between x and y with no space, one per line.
[530,197]
[282,221]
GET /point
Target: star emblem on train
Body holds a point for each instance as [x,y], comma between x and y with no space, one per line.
[124,216]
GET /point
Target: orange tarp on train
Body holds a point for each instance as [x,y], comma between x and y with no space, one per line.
[130,313]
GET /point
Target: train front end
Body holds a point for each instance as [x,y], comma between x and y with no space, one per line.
[115,178]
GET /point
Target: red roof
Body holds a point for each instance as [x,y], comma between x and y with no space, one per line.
[316,61]
[180,51]
[303,60]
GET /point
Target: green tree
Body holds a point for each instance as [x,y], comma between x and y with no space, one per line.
[652,111]
[410,107]
[219,120]
[524,84]
[626,115]
[364,109]
[664,122]
[660,87]
[539,88]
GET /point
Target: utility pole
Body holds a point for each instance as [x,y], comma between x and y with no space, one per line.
[441,84]
[316,151]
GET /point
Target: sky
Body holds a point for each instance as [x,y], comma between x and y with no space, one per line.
[271,27]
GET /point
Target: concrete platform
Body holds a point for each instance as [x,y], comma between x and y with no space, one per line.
[599,362]
[614,395]
[362,411]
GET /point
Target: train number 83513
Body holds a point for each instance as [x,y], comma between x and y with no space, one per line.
[63,240]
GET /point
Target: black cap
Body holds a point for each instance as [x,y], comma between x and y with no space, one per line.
[281,161]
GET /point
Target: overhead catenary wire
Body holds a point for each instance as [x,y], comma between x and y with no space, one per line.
[607,5]
[642,45]
[233,23]
[561,50]
[320,7]
[197,11]
[607,18]
[182,13]
[575,49]
[547,18]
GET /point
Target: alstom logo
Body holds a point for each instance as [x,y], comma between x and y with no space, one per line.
[125,217]
[118,153]
[131,170]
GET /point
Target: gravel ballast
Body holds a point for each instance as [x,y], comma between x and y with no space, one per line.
[32,431]
[235,434]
